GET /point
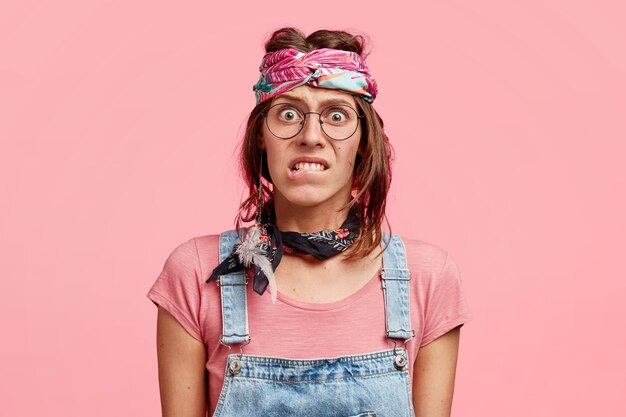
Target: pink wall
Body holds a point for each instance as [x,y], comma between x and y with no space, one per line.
[118,126]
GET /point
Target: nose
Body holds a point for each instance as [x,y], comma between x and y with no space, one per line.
[312,133]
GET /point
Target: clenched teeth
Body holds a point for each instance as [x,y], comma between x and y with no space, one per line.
[308,166]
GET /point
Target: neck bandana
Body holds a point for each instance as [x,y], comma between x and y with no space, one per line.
[286,69]
[264,245]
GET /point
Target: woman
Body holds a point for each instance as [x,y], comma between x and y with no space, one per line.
[358,322]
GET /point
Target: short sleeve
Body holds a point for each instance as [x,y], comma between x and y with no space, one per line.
[446,306]
[177,288]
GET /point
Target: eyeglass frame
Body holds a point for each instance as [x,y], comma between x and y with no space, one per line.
[319,120]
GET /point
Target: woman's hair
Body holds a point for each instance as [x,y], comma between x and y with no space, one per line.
[372,169]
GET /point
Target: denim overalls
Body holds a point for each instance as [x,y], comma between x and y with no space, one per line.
[372,384]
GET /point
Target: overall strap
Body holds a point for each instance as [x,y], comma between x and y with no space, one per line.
[395,282]
[233,293]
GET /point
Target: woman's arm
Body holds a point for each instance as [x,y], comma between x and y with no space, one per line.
[433,376]
[182,363]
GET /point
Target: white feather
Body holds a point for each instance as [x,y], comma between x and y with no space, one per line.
[250,253]
[265,265]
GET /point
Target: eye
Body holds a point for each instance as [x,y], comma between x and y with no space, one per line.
[288,115]
[337,115]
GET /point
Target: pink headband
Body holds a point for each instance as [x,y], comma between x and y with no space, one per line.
[286,69]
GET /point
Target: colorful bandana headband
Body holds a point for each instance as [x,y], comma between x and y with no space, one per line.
[286,69]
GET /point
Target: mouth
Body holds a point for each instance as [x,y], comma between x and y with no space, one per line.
[308,167]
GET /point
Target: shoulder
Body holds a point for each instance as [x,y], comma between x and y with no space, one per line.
[206,242]
[191,255]
[207,249]
[184,255]
[211,243]
[423,256]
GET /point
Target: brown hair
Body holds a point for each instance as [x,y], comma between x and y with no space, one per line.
[372,169]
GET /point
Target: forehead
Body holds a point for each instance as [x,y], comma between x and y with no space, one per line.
[316,96]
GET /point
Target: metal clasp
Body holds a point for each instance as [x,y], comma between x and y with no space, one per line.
[401,360]
[235,367]
[236,364]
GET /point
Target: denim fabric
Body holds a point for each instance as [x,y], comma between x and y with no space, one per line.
[372,384]
[395,280]
[233,293]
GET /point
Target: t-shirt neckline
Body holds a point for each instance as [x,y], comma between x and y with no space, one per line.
[333,305]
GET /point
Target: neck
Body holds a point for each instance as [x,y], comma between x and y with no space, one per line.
[307,219]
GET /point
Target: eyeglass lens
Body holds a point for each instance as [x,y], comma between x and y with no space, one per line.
[338,121]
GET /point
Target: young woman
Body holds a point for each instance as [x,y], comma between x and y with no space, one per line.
[312,310]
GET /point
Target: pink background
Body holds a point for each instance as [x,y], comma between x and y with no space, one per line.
[119,122]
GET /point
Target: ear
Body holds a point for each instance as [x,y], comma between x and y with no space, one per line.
[261,141]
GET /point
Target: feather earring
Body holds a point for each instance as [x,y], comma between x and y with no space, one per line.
[250,251]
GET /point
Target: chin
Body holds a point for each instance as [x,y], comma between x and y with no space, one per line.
[311,195]
[305,200]
[308,197]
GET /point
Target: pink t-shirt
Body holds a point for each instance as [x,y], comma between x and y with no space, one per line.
[299,330]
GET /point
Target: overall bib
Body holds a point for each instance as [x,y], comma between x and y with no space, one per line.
[371,384]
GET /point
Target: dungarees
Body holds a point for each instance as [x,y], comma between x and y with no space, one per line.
[371,384]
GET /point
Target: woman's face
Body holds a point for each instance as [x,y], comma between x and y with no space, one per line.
[311,168]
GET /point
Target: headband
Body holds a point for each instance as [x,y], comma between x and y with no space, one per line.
[286,69]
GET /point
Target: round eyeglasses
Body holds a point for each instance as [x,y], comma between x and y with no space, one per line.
[339,121]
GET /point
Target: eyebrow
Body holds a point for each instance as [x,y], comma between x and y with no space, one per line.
[328,101]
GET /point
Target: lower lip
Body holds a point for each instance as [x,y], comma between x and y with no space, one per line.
[301,173]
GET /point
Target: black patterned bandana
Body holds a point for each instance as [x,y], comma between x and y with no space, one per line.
[270,243]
